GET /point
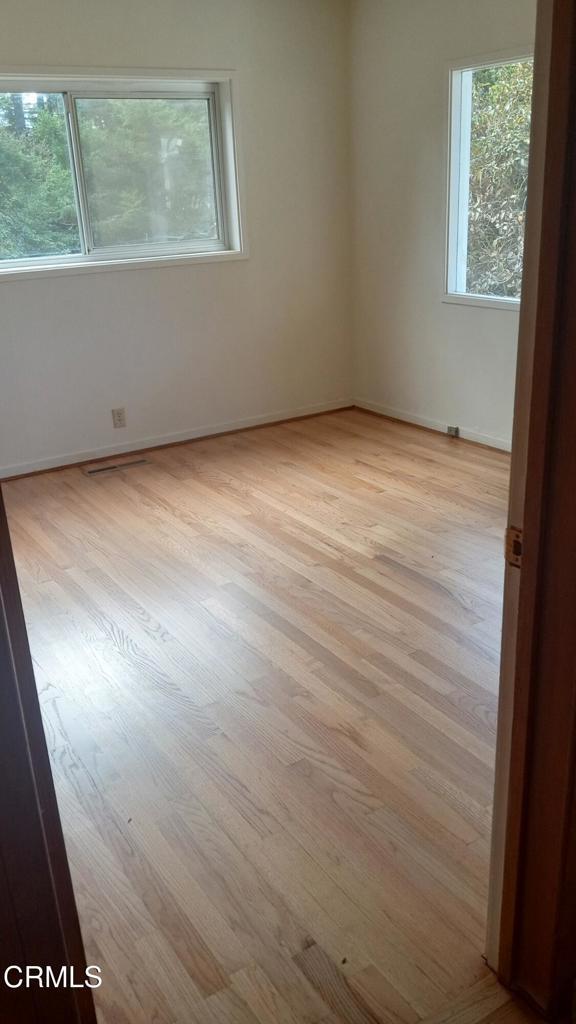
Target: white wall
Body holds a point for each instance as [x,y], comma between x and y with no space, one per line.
[415,355]
[196,348]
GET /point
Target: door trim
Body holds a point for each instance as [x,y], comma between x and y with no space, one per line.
[38,922]
[533,894]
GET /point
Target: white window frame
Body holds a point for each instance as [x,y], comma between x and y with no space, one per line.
[218,88]
[458,175]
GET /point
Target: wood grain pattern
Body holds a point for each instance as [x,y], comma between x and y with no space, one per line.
[268,664]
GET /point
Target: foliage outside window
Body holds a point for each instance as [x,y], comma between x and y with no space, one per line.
[94,176]
[37,202]
[488,178]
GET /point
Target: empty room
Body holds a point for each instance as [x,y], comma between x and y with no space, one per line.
[261,286]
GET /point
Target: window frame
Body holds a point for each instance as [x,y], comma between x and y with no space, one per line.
[215,86]
[457,174]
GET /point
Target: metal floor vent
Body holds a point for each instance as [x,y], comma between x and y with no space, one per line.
[114,467]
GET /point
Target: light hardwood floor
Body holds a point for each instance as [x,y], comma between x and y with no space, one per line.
[268,666]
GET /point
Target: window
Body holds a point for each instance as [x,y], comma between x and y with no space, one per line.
[116,170]
[490,138]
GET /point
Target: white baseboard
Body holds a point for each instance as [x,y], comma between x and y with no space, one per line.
[502,443]
[70,458]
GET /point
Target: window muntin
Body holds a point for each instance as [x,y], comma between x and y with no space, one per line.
[150,173]
[491,108]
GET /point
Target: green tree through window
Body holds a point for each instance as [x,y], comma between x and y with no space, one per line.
[37,204]
[149,170]
[499,149]
[146,179]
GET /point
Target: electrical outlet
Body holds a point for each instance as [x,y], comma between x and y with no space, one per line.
[119,417]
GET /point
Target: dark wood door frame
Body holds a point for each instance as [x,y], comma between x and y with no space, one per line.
[38,919]
[537,940]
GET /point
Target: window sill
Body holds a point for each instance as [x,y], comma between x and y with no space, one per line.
[487,301]
[88,266]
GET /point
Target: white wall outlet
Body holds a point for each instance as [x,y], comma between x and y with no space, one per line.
[119,417]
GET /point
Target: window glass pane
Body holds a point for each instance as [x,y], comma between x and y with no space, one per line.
[500,138]
[148,169]
[37,202]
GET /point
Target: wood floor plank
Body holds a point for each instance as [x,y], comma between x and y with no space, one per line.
[333,986]
[381,997]
[267,665]
[266,1002]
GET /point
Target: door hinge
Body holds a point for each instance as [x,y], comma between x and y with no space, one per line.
[514,540]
